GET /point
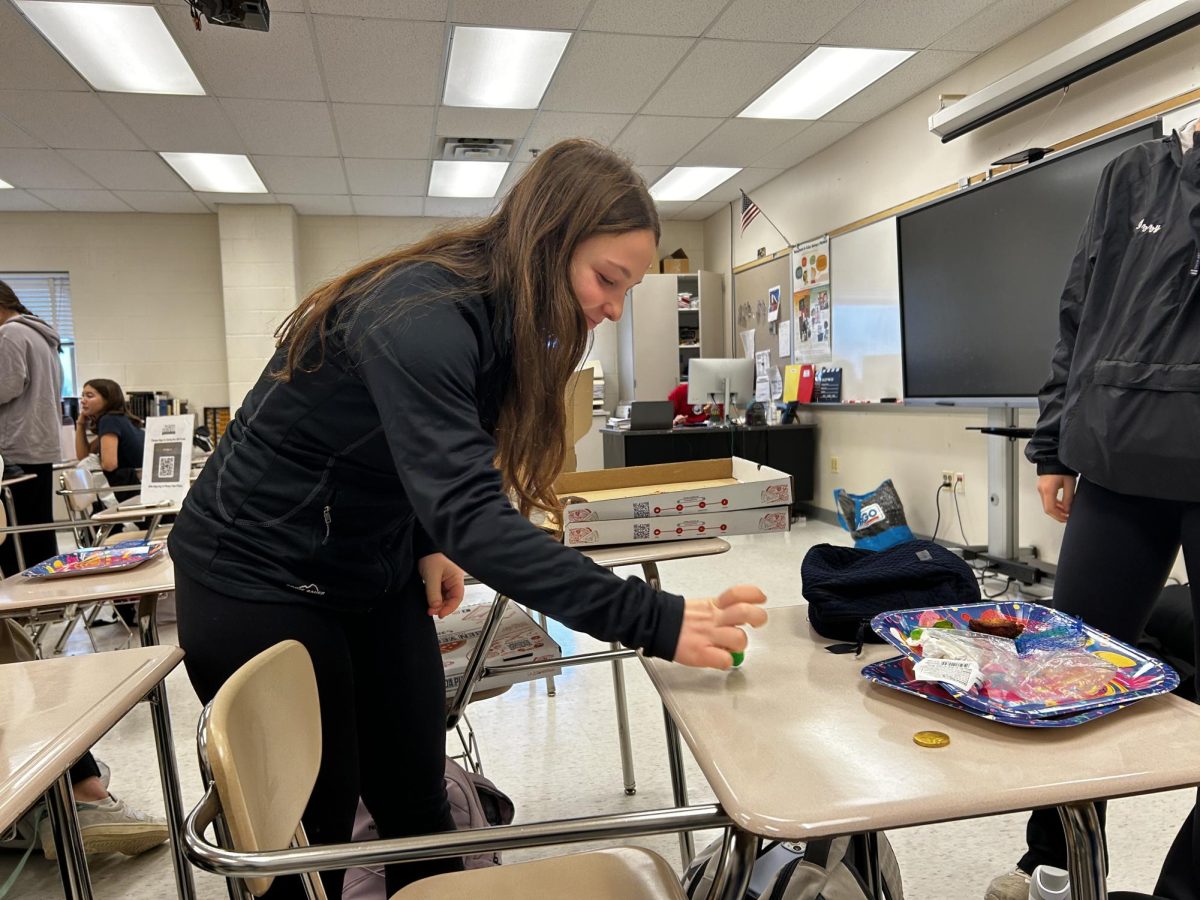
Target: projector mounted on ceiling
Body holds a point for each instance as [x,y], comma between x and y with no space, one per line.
[252,15]
[1131,32]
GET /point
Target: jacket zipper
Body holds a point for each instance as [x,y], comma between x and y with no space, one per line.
[328,524]
[1195,264]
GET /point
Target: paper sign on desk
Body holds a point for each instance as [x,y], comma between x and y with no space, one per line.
[167,460]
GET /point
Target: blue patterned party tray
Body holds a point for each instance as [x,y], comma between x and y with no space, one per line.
[93,560]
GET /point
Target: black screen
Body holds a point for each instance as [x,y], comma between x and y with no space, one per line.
[981,273]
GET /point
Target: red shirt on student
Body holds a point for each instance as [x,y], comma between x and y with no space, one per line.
[688,413]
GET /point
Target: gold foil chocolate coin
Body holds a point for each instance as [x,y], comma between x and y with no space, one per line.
[931,739]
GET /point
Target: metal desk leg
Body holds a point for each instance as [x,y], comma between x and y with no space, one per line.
[1085,851]
[623,723]
[160,715]
[550,689]
[68,840]
[738,852]
[687,846]
[10,510]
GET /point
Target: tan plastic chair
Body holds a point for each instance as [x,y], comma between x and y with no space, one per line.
[79,509]
[262,739]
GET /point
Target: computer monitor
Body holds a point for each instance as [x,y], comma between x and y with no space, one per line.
[721,380]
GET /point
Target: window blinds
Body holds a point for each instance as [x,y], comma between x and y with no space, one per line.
[48,296]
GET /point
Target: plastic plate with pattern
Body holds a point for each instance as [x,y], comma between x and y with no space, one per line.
[1138,675]
[94,560]
[896,673]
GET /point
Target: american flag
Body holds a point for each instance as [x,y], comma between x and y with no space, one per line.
[750,211]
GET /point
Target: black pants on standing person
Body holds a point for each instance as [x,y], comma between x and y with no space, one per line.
[33,501]
[381,685]
[1117,553]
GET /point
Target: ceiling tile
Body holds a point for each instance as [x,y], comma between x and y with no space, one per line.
[460,207]
[686,18]
[670,208]
[520,13]
[458,121]
[27,61]
[612,73]
[127,169]
[283,127]
[236,62]
[212,200]
[423,10]
[905,24]
[997,23]
[792,21]
[651,174]
[814,138]
[67,119]
[12,136]
[388,206]
[301,174]
[163,201]
[400,177]
[184,124]
[22,201]
[381,61]
[276,6]
[898,85]
[742,142]
[551,127]
[662,140]
[702,209]
[515,171]
[318,204]
[394,132]
[719,78]
[745,180]
[82,201]
[41,169]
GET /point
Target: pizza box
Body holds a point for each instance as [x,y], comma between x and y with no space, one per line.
[519,639]
[678,528]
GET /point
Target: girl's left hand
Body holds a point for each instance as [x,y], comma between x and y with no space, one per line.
[443,584]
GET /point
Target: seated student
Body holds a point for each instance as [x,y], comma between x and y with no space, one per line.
[689,413]
[119,436]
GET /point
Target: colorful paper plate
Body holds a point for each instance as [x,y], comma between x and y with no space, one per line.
[94,560]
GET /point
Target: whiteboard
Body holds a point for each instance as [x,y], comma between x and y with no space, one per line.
[865,286]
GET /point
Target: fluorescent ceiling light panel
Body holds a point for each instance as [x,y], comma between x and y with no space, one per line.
[826,78]
[465,178]
[218,173]
[5,186]
[501,68]
[115,46]
[690,182]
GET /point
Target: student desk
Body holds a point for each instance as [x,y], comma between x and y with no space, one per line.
[130,511]
[23,597]
[796,744]
[51,712]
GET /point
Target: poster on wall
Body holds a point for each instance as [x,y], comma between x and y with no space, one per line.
[774,296]
[812,315]
[810,263]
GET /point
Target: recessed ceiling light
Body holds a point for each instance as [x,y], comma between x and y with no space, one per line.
[826,78]
[503,68]
[218,173]
[465,178]
[5,186]
[690,182]
[115,46]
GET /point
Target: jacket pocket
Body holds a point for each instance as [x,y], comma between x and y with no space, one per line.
[1148,376]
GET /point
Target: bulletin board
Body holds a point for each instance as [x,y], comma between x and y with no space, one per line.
[750,307]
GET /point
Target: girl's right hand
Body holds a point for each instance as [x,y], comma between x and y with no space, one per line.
[712,628]
[1050,487]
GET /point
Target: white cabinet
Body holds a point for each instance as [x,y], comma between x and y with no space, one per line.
[668,320]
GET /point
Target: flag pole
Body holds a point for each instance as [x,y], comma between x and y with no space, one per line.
[768,218]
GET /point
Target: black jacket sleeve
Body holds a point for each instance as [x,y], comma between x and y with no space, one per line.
[421,364]
[1042,448]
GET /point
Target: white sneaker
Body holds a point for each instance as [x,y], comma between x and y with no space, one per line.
[1013,885]
[111,826]
[1049,883]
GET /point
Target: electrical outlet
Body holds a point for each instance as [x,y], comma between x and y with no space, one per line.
[960,485]
[947,478]
[834,464]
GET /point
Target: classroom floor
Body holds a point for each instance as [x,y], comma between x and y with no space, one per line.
[568,764]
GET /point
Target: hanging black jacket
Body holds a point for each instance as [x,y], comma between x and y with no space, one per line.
[327,488]
[1122,404]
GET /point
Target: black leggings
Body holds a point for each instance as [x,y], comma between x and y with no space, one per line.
[382,692]
[1117,553]
[33,502]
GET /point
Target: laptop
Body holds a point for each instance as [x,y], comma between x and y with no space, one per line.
[651,415]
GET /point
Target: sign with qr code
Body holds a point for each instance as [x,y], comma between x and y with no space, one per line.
[167,463]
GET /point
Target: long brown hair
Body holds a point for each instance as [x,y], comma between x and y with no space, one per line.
[114,399]
[9,300]
[521,256]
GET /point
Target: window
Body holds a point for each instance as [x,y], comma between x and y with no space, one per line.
[48,296]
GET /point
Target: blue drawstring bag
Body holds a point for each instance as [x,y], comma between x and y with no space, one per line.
[875,519]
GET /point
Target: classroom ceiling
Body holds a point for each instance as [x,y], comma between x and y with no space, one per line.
[338,106]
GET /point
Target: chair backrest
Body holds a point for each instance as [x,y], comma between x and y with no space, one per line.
[77,478]
[264,749]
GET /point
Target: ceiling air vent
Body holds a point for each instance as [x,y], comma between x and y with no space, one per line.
[482,149]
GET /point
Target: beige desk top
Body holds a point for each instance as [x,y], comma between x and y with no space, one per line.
[52,710]
[797,744]
[19,594]
[122,512]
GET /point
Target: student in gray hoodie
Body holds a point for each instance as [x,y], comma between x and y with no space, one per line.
[30,422]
